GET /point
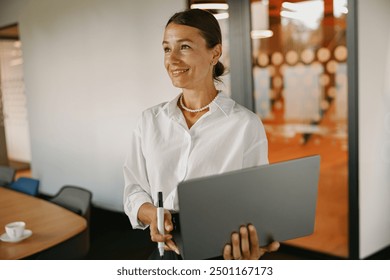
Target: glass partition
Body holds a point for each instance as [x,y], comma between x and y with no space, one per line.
[299,71]
[300,93]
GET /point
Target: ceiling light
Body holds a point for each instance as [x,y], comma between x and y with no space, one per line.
[221,16]
[308,13]
[210,6]
[261,34]
[340,8]
[305,6]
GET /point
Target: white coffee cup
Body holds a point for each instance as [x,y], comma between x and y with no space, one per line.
[15,230]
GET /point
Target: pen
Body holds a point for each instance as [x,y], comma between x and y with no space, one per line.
[160,222]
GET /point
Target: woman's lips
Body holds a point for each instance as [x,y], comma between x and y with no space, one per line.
[177,72]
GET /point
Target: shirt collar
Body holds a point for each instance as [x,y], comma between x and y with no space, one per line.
[170,108]
[222,102]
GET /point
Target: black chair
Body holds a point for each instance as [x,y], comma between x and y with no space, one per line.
[77,200]
[7,175]
[26,185]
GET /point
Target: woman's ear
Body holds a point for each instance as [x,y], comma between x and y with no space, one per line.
[217,52]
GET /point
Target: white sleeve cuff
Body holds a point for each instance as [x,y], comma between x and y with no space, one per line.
[133,203]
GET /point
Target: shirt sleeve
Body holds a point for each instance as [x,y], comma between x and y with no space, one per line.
[257,151]
[137,188]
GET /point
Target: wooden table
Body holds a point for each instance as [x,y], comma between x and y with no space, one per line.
[50,224]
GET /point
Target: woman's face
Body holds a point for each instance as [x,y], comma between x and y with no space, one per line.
[188,61]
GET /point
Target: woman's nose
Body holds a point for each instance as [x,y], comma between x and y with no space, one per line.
[174,57]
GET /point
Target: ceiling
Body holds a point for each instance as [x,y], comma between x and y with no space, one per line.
[12,31]
[274,5]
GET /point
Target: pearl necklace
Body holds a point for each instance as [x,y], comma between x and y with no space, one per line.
[195,110]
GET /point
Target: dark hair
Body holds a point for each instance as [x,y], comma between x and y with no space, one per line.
[209,29]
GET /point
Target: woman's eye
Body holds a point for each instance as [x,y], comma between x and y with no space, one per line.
[183,47]
[166,50]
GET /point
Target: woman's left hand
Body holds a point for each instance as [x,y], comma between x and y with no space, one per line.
[245,245]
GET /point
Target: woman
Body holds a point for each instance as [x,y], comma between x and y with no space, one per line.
[200,132]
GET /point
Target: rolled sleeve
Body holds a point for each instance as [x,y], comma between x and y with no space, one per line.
[137,189]
[133,201]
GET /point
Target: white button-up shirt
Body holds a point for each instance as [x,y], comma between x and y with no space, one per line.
[164,151]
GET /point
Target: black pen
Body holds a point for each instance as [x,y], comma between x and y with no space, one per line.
[160,222]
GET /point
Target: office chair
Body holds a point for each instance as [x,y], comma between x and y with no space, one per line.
[77,200]
[7,175]
[26,185]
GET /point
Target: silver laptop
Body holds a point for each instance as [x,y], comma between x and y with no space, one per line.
[279,199]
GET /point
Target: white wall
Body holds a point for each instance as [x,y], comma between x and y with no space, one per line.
[374,125]
[91,67]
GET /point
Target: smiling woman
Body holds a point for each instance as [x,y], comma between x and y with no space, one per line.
[190,63]
[201,132]
[192,51]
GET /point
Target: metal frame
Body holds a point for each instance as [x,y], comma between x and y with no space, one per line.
[240,45]
[353,128]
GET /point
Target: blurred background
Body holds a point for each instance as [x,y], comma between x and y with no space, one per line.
[76,75]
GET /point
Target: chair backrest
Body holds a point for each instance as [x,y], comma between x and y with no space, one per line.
[76,199]
[26,185]
[7,175]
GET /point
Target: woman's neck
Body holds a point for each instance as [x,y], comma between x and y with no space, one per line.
[195,99]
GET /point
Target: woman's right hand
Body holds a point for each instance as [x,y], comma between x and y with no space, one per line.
[148,215]
[245,245]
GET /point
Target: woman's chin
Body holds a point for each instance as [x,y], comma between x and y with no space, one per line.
[178,84]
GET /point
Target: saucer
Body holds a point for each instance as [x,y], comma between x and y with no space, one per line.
[4,237]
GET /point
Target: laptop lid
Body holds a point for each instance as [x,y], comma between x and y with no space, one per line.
[279,199]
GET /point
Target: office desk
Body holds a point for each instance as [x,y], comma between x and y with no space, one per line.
[50,224]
